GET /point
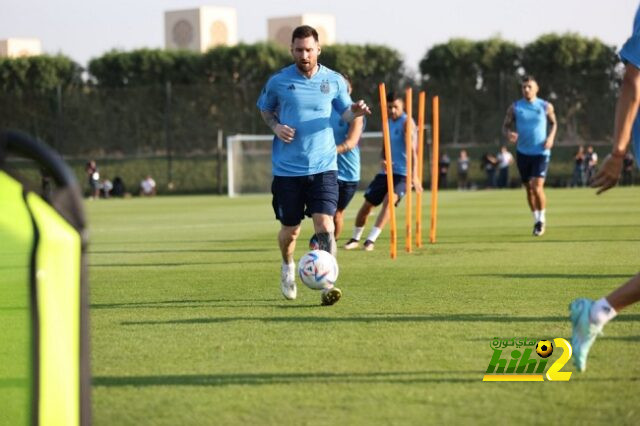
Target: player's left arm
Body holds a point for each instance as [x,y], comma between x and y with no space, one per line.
[415,179]
[353,136]
[553,126]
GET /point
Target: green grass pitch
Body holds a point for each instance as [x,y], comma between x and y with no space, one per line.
[188,325]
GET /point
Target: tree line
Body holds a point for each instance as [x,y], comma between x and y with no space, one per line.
[152,100]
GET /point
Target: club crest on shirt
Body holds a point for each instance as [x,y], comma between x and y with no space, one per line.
[324,86]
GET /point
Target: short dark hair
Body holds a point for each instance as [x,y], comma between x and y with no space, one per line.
[527,78]
[304,31]
[393,96]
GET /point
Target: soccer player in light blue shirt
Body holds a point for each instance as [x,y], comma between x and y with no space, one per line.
[535,125]
[588,316]
[296,103]
[376,192]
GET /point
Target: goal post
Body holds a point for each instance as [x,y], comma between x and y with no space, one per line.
[249,162]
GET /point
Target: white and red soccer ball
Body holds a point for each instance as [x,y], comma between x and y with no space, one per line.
[318,269]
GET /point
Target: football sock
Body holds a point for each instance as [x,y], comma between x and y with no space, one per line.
[327,242]
[357,232]
[602,312]
[542,216]
[373,235]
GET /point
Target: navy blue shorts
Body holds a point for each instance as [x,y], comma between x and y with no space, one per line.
[346,191]
[295,196]
[532,166]
[377,189]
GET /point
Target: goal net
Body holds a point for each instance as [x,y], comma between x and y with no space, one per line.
[249,162]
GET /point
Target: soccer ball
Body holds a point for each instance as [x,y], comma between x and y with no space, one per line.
[544,348]
[318,269]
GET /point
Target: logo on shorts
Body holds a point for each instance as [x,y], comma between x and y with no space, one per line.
[324,86]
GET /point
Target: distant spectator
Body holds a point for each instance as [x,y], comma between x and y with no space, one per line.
[578,168]
[443,169]
[488,164]
[93,176]
[627,169]
[118,187]
[504,160]
[590,164]
[463,169]
[148,187]
[105,188]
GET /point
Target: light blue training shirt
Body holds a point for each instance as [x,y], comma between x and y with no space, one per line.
[348,162]
[531,126]
[398,145]
[630,53]
[305,104]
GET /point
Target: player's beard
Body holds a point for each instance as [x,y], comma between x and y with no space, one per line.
[306,67]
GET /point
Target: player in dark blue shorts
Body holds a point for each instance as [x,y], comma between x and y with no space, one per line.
[531,124]
[587,316]
[376,193]
[347,138]
[296,103]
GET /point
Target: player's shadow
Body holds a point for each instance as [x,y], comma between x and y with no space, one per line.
[497,318]
[258,379]
[228,250]
[554,276]
[207,303]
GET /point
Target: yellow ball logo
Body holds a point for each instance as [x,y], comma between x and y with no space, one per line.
[544,348]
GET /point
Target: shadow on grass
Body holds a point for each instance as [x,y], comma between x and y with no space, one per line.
[556,276]
[255,379]
[506,318]
[230,250]
[179,303]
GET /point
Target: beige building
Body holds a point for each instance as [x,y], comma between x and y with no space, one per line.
[280,29]
[200,29]
[18,47]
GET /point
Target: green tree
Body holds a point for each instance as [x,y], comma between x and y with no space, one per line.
[577,75]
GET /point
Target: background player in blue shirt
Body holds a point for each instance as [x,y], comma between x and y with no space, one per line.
[535,129]
[588,316]
[376,193]
[347,137]
[296,103]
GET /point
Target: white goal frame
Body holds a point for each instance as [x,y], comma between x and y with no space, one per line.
[234,140]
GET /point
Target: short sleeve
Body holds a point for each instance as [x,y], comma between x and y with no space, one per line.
[268,100]
[631,51]
[342,101]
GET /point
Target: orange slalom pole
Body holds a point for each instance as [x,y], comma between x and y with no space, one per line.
[387,156]
[408,139]
[421,107]
[435,157]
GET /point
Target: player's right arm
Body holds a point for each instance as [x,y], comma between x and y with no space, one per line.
[626,111]
[268,103]
[282,131]
[508,126]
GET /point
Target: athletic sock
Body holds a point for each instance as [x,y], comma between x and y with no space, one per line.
[373,235]
[536,216]
[542,216]
[602,312]
[357,232]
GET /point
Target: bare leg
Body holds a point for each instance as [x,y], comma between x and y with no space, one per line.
[625,295]
[287,242]
[324,228]
[384,215]
[530,197]
[338,222]
[537,190]
[363,213]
